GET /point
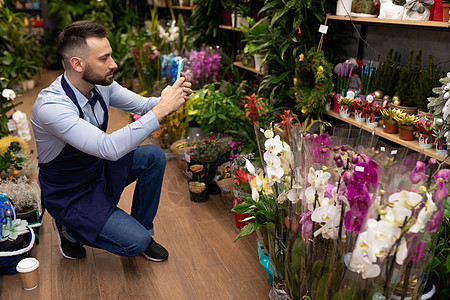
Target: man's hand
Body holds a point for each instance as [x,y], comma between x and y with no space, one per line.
[173,97]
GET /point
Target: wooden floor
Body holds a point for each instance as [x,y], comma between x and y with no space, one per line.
[204,262]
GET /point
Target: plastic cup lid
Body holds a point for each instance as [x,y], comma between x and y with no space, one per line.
[27,265]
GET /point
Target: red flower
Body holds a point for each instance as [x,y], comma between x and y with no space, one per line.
[252,108]
[286,122]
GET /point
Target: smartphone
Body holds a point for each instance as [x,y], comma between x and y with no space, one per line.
[180,67]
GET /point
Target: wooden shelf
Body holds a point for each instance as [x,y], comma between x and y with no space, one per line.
[241,65]
[433,25]
[178,7]
[226,27]
[413,145]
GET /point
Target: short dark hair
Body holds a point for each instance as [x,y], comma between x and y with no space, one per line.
[73,37]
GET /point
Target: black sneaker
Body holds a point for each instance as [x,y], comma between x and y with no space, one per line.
[68,249]
[155,252]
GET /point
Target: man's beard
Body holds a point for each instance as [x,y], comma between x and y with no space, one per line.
[94,78]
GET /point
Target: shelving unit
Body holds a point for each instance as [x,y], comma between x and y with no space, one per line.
[226,27]
[413,145]
[431,25]
[242,66]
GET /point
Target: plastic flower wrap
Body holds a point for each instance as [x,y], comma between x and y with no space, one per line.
[346,216]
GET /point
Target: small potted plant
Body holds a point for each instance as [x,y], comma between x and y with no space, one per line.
[225,181]
[358,107]
[406,126]
[425,129]
[389,123]
[372,112]
[344,106]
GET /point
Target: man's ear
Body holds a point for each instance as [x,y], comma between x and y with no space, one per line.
[77,64]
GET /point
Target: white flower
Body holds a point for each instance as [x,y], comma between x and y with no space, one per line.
[325,212]
[274,144]
[255,194]
[424,216]
[9,94]
[360,264]
[396,215]
[379,238]
[250,167]
[274,173]
[296,193]
[406,199]
[272,159]
[268,134]
[402,252]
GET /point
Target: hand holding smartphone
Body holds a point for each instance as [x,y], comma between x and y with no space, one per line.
[180,67]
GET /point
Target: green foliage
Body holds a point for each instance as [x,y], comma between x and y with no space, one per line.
[428,79]
[284,44]
[206,17]
[408,78]
[19,51]
[386,76]
[215,108]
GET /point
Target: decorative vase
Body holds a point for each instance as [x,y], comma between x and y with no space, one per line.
[406,133]
[197,174]
[258,62]
[344,111]
[423,114]
[372,120]
[343,7]
[426,140]
[441,147]
[360,116]
[390,127]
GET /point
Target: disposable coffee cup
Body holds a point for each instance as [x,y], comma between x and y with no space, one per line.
[28,269]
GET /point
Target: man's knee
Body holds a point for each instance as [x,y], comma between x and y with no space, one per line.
[137,245]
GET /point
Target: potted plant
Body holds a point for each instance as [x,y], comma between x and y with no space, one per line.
[436,105]
[425,129]
[386,77]
[428,79]
[364,8]
[344,106]
[358,107]
[408,78]
[388,116]
[445,10]
[204,157]
[255,34]
[372,112]
[225,182]
[406,126]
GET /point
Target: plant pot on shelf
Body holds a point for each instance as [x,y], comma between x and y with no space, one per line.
[441,147]
[390,127]
[343,7]
[360,117]
[424,114]
[227,17]
[238,198]
[258,62]
[344,111]
[11,252]
[426,140]
[445,12]
[364,8]
[409,110]
[406,133]
[372,120]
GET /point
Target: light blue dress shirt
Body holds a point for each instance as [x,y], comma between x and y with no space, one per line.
[55,120]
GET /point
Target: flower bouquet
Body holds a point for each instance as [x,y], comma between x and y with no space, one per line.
[342,219]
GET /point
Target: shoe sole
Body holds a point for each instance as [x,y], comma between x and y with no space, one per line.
[154,259]
[58,237]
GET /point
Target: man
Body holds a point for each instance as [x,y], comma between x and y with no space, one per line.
[82,169]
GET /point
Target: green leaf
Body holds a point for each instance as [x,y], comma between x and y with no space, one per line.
[448,263]
[248,229]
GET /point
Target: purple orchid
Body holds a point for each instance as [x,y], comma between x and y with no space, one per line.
[321,148]
[367,172]
[418,173]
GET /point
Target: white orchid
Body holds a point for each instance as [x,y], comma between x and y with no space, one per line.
[329,217]
[405,199]
[402,252]
[274,145]
[9,94]
[361,264]
[250,168]
[424,215]
[274,174]
[317,179]
[296,193]
[379,236]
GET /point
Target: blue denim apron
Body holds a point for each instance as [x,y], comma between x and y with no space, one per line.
[80,189]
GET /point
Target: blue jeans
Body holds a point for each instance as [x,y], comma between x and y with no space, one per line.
[130,235]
